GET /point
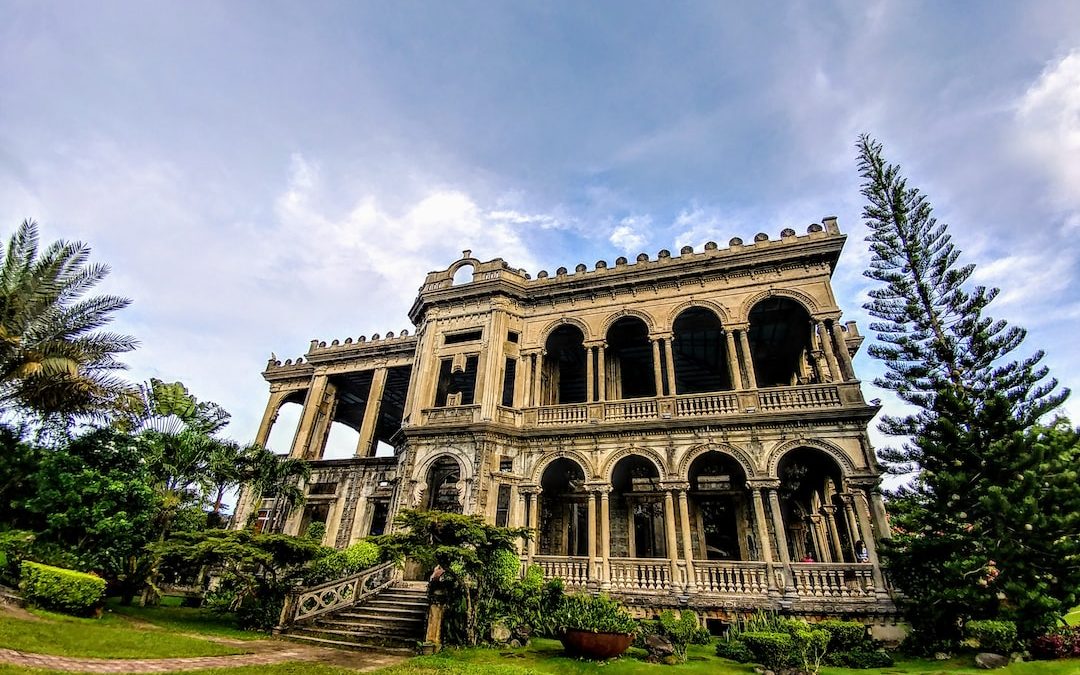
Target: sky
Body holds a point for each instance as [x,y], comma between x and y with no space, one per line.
[261,174]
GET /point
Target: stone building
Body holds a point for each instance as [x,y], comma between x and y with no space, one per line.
[680,430]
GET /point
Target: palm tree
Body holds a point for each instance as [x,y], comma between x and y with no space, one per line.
[270,475]
[54,360]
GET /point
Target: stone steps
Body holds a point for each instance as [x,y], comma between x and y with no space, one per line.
[395,621]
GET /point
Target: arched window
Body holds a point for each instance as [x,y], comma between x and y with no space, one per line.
[700,353]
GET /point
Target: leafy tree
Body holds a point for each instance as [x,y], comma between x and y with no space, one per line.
[971,432]
[54,360]
[470,556]
[272,476]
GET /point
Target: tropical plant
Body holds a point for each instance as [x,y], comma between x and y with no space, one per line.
[54,360]
[595,614]
[990,484]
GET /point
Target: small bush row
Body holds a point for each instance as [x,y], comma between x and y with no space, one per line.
[1062,643]
[61,589]
[789,643]
[342,563]
[998,637]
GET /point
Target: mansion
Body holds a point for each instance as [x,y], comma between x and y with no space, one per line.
[679,430]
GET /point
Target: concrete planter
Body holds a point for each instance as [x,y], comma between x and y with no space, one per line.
[597,646]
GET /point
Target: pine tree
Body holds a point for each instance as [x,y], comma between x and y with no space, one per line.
[971,437]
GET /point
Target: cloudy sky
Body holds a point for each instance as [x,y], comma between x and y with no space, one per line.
[259,174]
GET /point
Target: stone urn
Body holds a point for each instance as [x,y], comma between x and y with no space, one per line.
[596,646]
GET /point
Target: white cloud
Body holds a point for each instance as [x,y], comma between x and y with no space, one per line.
[627,236]
[1048,118]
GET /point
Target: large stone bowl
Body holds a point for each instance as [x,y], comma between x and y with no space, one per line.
[597,646]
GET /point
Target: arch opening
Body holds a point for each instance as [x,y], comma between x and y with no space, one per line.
[637,510]
[564,368]
[445,486]
[783,345]
[818,526]
[463,275]
[629,360]
[563,521]
[700,353]
[720,512]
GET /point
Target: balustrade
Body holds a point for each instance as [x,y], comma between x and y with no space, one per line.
[833,580]
[732,577]
[640,574]
[706,405]
[573,413]
[304,604]
[798,398]
[573,570]
[636,409]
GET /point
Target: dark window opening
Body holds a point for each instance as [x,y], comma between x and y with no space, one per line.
[502,507]
[564,370]
[456,387]
[780,344]
[322,488]
[262,520]
[630,360]
[378,518]
[445,487]
[506,463]
[458,338]
[512,336]
[509,376]
[700,353]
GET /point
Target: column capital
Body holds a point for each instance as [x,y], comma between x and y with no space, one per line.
[865,482]
[598,488]
[763,484]
[736,326]
[660,335]
[589,344]
[833,315]
[530,489]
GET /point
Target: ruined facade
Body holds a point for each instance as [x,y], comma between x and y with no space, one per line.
[680,430]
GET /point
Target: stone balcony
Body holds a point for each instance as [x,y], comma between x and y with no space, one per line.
[716,405]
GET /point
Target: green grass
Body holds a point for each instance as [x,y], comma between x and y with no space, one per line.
[178,619]
[545,656]
[1073,617]
[294,668]
[108,637]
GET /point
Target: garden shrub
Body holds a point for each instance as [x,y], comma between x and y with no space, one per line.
[14,546]
[532,601]
[61,589]
[772,650]
[348,561]
[682,632]
[845,635]
[598,614]
[991,636]
[1061,643]
[734,649]
[861,657]
[504,569]
[316,531]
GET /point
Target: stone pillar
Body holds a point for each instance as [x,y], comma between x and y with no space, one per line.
[601,372]
[270,415]
[605,539]
[778,525]
[834,535]
[365,446]
[526,379]
[761,527]
[821,543]
[591,524]
[684,523]
[589,375]
[669,532]
[532,497]
[845,355]
[827,346]
[853,528]
[657,373]
[312,403]
[748,359]
[734,372]
[538,376]
[669,358]
[881,517]
[862,511]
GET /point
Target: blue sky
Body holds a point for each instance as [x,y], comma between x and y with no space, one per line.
[259,174]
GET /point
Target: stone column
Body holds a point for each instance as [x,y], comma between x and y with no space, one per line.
[684,523]
[538,377]
[605,539]
[830,356]
[821,543]
[778,525]
[853,528]
[591,524]
[862,511]
[365,446]
[842,351]
[834,535]
[734,372]
[657,373]
[526,378]
[312,402]
[589,374]
[270,415]
[517,519]
[669,358]
[761,527]
[748,359]
[669,532]
[532,496]
[881,517]
[601,372]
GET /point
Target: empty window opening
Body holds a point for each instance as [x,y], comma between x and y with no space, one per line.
[456,387]
[506,463]
[314,513]
[512,336]
[341,441]
[815,529]
[463,275]
[502,507]
[563,372]
[379,514]
[720,525]
[283,432]
[700,353]
[509,375]
[384,449]
[637,509]
[323,488]
[458,338]
[445,489]
[629,356]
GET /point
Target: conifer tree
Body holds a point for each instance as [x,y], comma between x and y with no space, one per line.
[971,437]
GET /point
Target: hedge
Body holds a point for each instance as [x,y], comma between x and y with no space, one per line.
[991,636]
[60,589]
[772,650]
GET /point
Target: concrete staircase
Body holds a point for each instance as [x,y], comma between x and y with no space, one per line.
[394,620]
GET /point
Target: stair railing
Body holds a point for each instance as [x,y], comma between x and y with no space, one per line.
[304,604]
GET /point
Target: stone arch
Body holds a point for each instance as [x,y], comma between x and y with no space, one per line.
[586,332]
[452,271]
[420,471]
[808,303]
[847,467]
[743,458]
[651,455]
[648,319]
[715,307]
[548,458]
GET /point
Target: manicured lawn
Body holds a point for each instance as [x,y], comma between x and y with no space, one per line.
[184,620]
[108,637]
[1073,617]
[296,668]
[545,656]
